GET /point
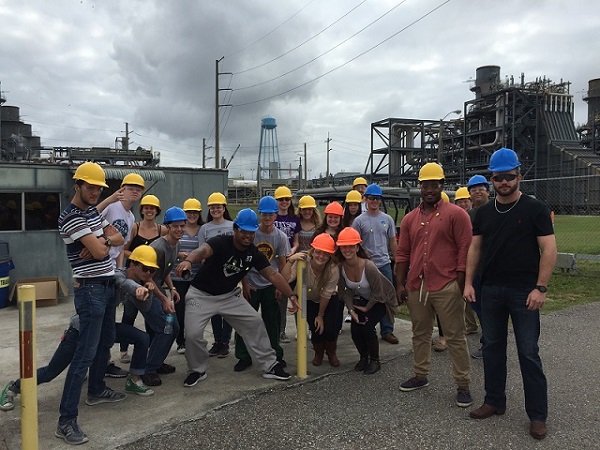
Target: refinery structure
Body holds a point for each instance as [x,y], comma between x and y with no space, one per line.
[535,118]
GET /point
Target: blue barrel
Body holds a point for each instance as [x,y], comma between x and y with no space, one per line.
[5,267]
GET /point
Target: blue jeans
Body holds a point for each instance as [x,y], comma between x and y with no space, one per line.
[386,325]
[96,307]
[498,304]
[127,334]
[161,343]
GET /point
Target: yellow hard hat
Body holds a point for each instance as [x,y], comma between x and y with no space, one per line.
[461,194]
[216,198]
[91,173]
[359,180]
[191,204]
[150,200]
[445,197]
[353,197]
[307,201]
[145,255]
[431,171]
[133,178]
[282,192]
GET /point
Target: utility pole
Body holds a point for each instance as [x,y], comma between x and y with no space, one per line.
[305,168]
[203,153]
[328,150]
[217,105]
[300,174]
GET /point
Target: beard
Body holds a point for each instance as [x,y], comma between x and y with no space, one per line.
[509,192]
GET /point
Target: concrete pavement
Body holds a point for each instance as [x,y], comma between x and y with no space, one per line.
[111,425]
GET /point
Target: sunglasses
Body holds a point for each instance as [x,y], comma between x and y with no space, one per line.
[147,269]
[287,199]
[504,177]
[372,197]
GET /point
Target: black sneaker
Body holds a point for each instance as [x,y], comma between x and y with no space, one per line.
[214,350]
[414,383]
[113,371]
[165,369]
[223,350]
[277,373]
[193,378]
[463,397]
[107,396]
[282,362]
[242,365]
[151,379]
[71,433]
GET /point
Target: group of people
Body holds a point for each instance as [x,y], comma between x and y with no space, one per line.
[240,274]
[498,257]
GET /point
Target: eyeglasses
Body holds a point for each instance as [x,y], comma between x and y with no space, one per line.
[147,269]
[504,177]
[372,198]
[285,199]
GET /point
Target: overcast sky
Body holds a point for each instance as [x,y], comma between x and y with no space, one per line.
[80,69]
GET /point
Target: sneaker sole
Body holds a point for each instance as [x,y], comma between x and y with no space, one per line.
[7,408]
[463,405]
[409,389]
[103,400]
[272,376]
[112,375]
[222,356]
[181,351]
[147,393]
[64,438]
[201,378]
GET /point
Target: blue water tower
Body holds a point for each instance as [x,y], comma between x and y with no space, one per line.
[268,152]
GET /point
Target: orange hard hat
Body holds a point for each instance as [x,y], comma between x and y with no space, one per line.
[323,242]
[334,208]
[348,236]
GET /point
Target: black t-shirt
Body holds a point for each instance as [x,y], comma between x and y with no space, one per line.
[227,266]
[510,252]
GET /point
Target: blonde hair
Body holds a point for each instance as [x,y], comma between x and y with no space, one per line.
[316,216]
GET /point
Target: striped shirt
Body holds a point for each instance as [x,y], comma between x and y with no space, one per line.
[75,223]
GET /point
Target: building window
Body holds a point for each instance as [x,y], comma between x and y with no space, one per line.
[29,211]
[10,212]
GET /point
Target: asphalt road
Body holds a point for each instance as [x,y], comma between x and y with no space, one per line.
[352,411]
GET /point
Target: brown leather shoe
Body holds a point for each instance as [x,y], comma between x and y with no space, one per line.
[390,338]
[537,429]
[485,411]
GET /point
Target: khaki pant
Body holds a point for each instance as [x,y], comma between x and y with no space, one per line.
[448,304]
[470,319]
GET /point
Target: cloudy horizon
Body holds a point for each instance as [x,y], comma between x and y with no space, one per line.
[78,70]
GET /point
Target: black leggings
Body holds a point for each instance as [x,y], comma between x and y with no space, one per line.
[330,320]
[364,334]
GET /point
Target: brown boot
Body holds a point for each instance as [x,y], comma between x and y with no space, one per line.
[319,351]
[330,348]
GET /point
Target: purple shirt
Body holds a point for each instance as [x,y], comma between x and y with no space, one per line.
[289,225]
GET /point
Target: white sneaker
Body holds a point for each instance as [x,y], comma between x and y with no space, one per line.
[125,358]
[348,319]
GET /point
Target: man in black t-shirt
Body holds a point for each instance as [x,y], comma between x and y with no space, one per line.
[214,290]
[515,248]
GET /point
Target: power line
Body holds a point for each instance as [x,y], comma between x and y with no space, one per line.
[347,62]
[326,52]
[301,44]
[270,32]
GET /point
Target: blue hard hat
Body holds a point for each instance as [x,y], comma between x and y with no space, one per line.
[268,205]
[476,180]
[174,214]
[374,189]
[247,220]
[503,160]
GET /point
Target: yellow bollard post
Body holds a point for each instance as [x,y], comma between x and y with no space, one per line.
[301,320]
[29,405]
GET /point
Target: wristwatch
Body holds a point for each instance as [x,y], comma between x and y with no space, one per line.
[542,289]
[107,241]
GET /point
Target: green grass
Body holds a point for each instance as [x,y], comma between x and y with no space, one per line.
[578,234]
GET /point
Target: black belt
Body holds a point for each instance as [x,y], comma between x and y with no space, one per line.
[104,281]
